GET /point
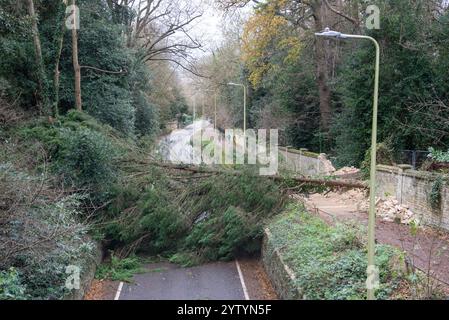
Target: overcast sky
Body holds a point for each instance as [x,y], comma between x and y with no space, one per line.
[209,27]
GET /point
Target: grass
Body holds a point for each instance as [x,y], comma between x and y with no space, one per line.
[120,269]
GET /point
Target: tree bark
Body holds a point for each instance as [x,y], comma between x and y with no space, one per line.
[56,77]
[322,67]
[350,184]
[43,103]
[76,65]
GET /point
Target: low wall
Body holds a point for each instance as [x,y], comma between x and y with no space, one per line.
[304,162]
[281,276]
[87,275]
[412,189]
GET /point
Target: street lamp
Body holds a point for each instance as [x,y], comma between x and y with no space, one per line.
[372,209]
[244,102]
[194,107]
[215,106]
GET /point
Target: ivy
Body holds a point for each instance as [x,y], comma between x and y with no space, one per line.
[435,195]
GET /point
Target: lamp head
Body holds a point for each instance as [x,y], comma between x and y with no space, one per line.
[328,33]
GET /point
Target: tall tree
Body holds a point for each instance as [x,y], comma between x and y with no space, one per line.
[161,29]
[44,102]
[76,65]
[59,47]
[306,16]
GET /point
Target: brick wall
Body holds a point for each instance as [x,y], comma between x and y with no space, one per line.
[412,189]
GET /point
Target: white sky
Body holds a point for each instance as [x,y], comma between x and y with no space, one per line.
[209,30]
[209,27]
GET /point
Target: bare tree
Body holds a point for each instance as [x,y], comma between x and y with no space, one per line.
[161,29]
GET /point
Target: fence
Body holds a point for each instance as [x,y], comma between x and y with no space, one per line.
[414,158]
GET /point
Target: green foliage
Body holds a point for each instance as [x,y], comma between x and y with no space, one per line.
[330,262]
[147,117]
[85,158]
[80,149]
[436,194]
[46,232]
[219,237]
[111,79]
[204,221]
[438,155]
[11,287]
[288,102]
[384,155]
[186,259]
[148,217]
[410,82]
[228,214]
[119,269]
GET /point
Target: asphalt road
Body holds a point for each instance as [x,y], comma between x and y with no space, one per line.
[216,281]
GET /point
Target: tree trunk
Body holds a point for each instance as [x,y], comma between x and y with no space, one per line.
[43,103]
[60,42]
[76,65]
[350,184]
[322,67]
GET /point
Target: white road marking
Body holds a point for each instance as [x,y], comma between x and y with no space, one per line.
[119,291]
[242,280]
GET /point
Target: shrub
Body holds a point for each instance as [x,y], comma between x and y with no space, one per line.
[11,287]
[439,156]
[111,105]
[435,196]
[147,122]
[47,236]
[384,156]
[85,158]
[119,269]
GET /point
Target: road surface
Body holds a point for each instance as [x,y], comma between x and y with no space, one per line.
[164,281]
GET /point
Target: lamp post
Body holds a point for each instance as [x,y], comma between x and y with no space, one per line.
[372,208]
[244,102]
[215,107]
[194,107]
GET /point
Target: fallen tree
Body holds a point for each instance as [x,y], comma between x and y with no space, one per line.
[326,183]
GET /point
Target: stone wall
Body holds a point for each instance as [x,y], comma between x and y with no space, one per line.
[87,275]
[412,189]
[281,276]
[304,162]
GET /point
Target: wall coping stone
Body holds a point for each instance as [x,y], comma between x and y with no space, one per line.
[424,175]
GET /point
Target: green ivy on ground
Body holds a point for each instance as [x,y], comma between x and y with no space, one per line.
[330,261]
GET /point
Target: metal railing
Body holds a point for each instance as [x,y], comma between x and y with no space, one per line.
[415,158]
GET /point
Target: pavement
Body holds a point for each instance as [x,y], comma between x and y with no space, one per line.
[165,281]
[428,249]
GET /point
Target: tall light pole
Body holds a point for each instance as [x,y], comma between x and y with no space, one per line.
[194,107]
[215,111]
[215,106]
[244,102]
[372,208]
